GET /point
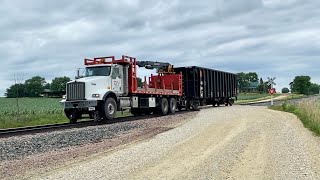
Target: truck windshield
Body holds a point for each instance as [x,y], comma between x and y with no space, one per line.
[98,71]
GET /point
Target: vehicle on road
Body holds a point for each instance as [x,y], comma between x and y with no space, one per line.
[110,85]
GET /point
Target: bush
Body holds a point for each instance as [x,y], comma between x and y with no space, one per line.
[285,90]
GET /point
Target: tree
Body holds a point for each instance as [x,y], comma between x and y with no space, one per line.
[291,86]
[242,81]
[314,89]
[58,85]
[139,82]
[34,86]
[301,84]
[261,86]
[47,86]
[252,77]
[16,91]
[285,90]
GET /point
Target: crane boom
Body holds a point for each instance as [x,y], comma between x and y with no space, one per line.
[162,67]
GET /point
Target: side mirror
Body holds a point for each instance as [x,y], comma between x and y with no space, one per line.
[78,74]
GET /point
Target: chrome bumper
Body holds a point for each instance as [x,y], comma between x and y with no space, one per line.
[83,104]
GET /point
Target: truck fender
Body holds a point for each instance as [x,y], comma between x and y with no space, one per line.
[109,94]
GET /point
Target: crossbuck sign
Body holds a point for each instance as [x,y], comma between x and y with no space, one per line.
[272,90]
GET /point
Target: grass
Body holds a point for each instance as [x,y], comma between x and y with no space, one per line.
[34,112]
[252,97]
[307,111]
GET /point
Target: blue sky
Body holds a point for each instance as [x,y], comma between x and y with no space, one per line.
[278,38]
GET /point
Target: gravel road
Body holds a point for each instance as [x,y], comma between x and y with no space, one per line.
[239,142]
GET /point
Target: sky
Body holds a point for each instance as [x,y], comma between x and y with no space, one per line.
[275,38]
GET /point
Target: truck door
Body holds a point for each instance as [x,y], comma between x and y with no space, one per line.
[117,80]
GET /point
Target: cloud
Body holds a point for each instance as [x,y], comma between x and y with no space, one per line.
[51,38]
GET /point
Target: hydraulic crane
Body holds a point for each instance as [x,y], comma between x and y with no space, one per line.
[162,67]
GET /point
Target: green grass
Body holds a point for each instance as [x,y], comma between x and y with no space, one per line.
[307,112]
[252,97]
[33,112]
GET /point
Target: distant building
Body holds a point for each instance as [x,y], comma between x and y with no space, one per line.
[46,93]
[253,87]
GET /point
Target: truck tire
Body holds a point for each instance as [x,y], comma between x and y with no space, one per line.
[110,108]
[172,106]
[164,106]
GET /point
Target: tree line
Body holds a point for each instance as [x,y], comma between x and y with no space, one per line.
[303,85]
[300,84]
[244,80]
[36,86]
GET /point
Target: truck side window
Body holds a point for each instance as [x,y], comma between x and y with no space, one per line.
[115,73]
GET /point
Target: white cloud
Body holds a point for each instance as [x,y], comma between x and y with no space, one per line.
[50,38]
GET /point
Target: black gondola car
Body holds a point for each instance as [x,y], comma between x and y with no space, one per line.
[203,86]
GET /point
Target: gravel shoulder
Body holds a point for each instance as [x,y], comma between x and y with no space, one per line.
[22,157]
[239,142]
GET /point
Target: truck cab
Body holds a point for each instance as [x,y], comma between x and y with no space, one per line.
[87,93]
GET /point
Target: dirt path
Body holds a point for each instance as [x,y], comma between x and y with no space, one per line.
[220,143]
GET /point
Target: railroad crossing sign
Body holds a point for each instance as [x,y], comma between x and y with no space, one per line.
[271,81]
[271,90]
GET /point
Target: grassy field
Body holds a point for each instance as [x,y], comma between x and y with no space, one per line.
[33,111]
[308,112]
[251,97]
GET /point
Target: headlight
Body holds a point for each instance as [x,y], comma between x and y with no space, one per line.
[95,95]
[64,97]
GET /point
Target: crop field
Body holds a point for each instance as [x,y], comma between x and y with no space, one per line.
[33,111]
[29,106]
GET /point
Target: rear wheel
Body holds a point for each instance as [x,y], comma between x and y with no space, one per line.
[110,108]
[173,105]
[164,106]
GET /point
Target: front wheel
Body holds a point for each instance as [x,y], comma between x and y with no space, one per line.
[110,108]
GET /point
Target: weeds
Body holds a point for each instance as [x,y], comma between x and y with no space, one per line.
[307,111]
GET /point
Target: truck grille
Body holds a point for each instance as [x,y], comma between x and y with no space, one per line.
[75,91]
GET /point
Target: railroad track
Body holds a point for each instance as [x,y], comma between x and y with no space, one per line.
[55,127]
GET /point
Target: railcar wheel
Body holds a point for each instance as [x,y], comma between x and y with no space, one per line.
[110,108]
[96,116]
[173,106]
[188,106]
[164,106]
[195,106]
[72,115]
[91,115]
